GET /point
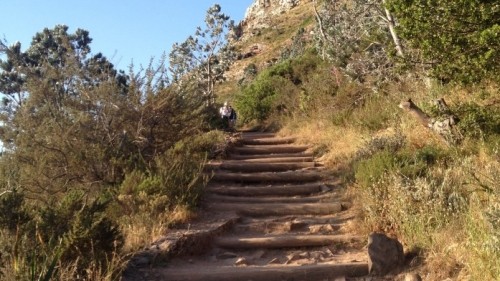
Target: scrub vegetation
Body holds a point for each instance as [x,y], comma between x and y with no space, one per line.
[97,162]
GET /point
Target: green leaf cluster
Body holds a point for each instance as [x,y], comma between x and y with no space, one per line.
[460,40]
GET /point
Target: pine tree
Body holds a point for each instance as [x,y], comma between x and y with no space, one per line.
[204,57]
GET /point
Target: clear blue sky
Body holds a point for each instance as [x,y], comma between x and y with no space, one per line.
[122,30]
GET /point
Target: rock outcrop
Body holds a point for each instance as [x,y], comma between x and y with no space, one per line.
[260,13]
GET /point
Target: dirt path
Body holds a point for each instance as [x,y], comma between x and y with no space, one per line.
[274,214]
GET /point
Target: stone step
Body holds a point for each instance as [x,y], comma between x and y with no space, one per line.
[258,167]
[262,273]
[277,209]
[290,177]
[269,190]
[274,199]
[289,227]
[282,241]
[269,149]
[257,135]
[273,160]
[267,141]
[233,156]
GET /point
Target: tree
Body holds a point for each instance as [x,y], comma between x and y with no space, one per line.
[460,40]
[204,58]
[63,112]
[358,36]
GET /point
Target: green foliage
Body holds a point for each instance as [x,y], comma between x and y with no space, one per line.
[298,46]
[376,144]
[409,164]
[74,130]
[204,56]
[73,232]
[353,36]
[255,101]
[460,39]
[372,112]
[176,179]
[478,122]
[277,90]
[483,234]
[12,212]
[249,73]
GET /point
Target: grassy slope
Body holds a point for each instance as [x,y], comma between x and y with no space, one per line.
[446,206]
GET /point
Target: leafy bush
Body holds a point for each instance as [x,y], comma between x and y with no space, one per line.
[175,180]
[12,211]
[255,102]
[478,122]
[391,143]
[277,89]
[370,171]
[459,38]
[73,232]
[408,164]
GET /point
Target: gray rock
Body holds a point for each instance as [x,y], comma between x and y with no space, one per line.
[384,254]
[413,277]
[241,261]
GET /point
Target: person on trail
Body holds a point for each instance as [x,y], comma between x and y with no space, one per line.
[232,118]
[225,112]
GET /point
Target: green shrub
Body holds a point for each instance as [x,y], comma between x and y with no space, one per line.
[478,122]
[371,170]
[12,211]
[372,112]
[176,179]
[408,164]
[255,101]
[277,89]
[73,232]
[391,143]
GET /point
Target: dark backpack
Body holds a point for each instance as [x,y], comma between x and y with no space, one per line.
[233,114]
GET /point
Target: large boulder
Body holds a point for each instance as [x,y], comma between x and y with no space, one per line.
[384,254]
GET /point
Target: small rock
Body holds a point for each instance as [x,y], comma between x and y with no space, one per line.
[241,261]
[413,277]
[317,255]
[313,229]
[304,255]
[297,225]
[292,257]
[321,228]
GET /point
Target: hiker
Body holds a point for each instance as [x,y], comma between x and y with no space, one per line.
[232,118]
[225,113]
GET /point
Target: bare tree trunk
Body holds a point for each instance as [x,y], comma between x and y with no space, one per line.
[392,29]
[321,30]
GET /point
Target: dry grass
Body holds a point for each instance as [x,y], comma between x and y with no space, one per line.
[144,231]
[272,40]
[333,144]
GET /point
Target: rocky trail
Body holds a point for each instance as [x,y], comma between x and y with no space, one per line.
[270,213]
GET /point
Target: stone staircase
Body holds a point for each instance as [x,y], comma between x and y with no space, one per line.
[287,221]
